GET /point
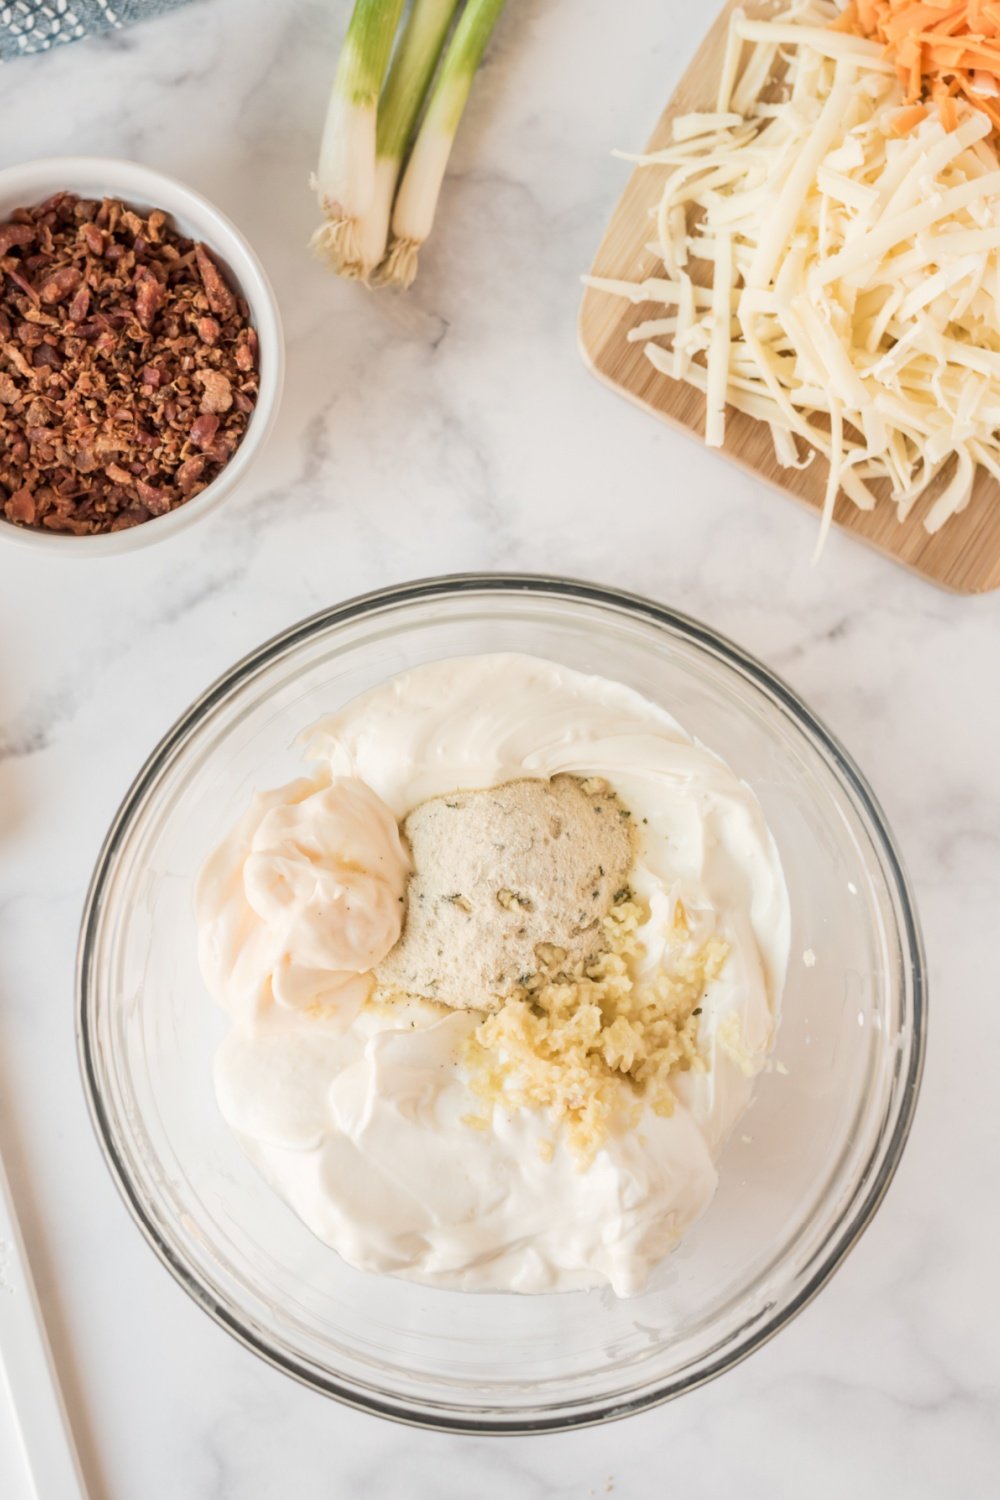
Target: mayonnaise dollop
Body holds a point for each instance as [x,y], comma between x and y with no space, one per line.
[302,900]
[357,1112]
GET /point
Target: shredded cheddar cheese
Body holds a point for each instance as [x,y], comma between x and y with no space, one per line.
[941,51]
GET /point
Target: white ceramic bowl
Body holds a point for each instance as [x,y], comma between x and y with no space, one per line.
[144,189]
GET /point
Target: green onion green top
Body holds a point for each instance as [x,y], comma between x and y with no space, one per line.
[365,54]
[465,53]
[410,75]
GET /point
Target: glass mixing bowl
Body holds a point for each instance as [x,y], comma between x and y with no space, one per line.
[799,1181]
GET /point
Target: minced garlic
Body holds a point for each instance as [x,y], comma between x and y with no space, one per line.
[729,1034]
[594,1046]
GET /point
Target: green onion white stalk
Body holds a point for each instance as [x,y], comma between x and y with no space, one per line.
[345,179]
[413,66]
[416,199]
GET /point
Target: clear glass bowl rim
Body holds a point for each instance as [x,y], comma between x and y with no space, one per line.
[714,644]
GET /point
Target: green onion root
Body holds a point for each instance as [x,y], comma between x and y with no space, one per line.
[345,178]
[416,200]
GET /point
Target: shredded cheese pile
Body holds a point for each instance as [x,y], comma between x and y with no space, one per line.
[940,49]
[594,1047]
[853,275]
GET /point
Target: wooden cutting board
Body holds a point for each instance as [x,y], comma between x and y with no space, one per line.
[963,556]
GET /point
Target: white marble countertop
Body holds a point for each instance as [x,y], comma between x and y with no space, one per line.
[457,429]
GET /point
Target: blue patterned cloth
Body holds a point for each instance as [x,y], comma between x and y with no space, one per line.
[36,25]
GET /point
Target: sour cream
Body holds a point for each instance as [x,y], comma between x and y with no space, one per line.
[356,1112]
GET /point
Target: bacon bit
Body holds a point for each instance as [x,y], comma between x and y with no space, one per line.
[155,500]
[190,472]
[221,450]
[21,507]
[149,296]
[47,355]
[22,282]
[14,356]
[61,521]
[57,287]
[15,234]
[220,298]
[92,238]
[80,305]
[203,430]
[246,351]
[218,395]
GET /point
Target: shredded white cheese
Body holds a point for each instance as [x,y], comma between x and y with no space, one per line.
[826,277]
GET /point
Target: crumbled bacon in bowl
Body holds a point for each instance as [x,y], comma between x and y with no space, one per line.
[128,366]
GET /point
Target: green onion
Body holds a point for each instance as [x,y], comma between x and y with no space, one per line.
[416,200]
[413,66]
[345,179]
